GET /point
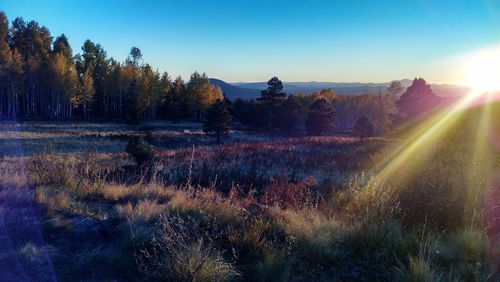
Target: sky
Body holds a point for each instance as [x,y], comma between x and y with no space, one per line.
[309,40]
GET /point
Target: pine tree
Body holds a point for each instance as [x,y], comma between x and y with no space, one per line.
[11,72]
[218,119]
[140,150]
[149,92]
[274,91]
[270,103]
[287,115]
[363,128]
[321,117]
[131,107]
[394,89]
[175,102]
[417,99]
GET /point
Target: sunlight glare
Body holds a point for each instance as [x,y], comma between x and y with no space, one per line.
[482,71]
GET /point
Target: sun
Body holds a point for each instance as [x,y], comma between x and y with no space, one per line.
[482,71]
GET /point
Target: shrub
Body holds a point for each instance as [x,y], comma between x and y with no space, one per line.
[363,127]
[140,150]
[217,120]
[418,270]
[310,237]
[142,212]
[371,249]
[139,220]
[371,202]
[53,169]
[321,117]
[178,254]
[435,195]
[275,267]
[465,254]
[287,195]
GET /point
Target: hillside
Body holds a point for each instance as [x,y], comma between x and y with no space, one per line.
[349,88]
[233,92]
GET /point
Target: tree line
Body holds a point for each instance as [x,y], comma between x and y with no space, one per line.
[41,78]
[325,110]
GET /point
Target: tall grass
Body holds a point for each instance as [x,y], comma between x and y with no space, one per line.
[305,209]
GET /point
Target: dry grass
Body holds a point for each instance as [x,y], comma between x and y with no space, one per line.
[269,209]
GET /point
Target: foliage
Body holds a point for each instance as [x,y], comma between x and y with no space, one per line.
[288,195]
[174,105]
[40,78]
[394,90]
[287,116]
[176,256]
[261,208]
[274,91]
[49,82]
[321,117]
[276,223]
[363,128]
[417,99]
[200,94]
[217,119]
[378,110]
[140,150]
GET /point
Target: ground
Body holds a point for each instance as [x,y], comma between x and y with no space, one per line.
[73,205]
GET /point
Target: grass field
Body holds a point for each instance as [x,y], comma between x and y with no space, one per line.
[256,208]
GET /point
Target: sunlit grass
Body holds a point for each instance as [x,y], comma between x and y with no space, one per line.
[361,226]
[418,143]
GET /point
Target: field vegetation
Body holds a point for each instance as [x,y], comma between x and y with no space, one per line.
[256,207]
[109,171]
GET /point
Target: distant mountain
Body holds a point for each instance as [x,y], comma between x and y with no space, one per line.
[350,88]
[449,90]
[233,92]
[252,89]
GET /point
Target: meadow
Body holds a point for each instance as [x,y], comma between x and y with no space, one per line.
[258,207]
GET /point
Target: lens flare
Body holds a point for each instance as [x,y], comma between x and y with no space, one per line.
[481,70]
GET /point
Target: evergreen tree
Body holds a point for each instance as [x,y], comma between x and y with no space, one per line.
[270,103]
[140,150]
[175,102]
[61,46]
[11,72]
[136,98]
[321,117]
[363,127]
[287,116]
[218,119]
[274,91]
[34,44]
[135,57]
[131,108]
[417,99]
[248,112]
[394,90]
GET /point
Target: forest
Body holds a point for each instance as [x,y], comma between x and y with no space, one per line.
[42,79]
[113,171]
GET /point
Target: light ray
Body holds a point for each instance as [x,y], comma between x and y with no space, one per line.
[479,161]
[419,144]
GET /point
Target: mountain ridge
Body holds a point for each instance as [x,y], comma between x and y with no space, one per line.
[251,90]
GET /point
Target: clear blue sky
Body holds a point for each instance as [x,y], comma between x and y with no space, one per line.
[349,40]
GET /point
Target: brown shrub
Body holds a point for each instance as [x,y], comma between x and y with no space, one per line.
[287,195]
